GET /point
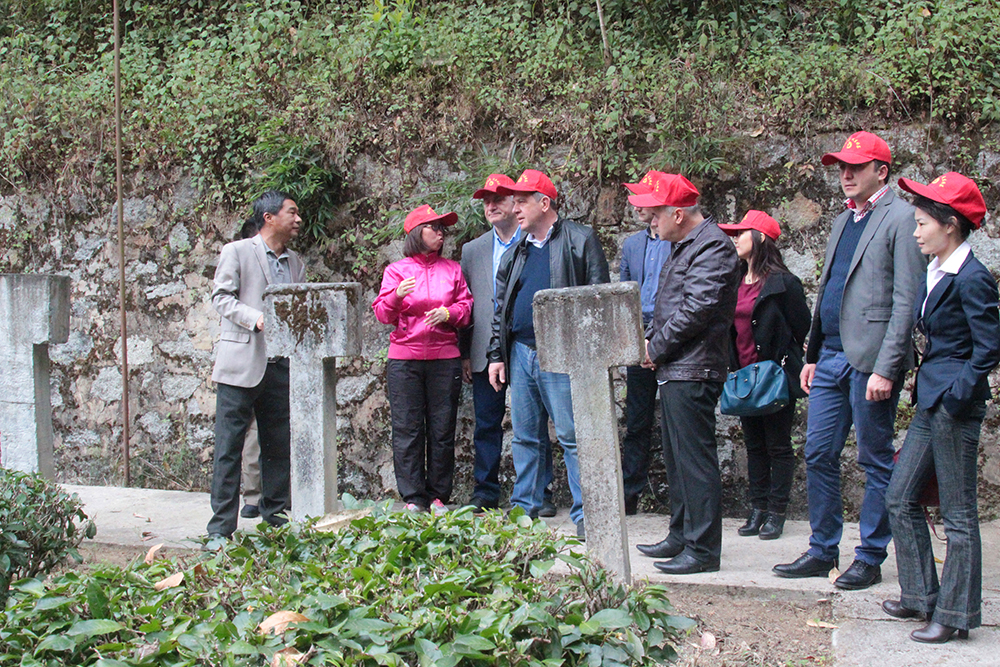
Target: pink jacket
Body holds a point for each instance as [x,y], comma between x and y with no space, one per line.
[439,283]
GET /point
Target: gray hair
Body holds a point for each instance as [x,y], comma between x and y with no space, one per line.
[269,202]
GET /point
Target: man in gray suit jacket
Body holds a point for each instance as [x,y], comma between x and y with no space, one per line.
[858,354]
[249,384]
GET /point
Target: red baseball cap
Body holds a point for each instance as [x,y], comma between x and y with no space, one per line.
[860,147]
[666,190]
[955,190]
[423,215]
[531,180]
[493,184]
[645,186]
[758,220]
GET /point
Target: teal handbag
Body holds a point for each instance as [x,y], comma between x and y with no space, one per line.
[755,390]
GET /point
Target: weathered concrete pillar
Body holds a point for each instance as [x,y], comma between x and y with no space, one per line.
[34,312]
[312,325]
[583,331]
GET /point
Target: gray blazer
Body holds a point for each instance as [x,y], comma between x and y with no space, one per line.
[876,315]
[240,279]
[477,267]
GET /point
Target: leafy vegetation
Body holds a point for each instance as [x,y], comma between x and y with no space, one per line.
[391,589]
[289,92]
[40,526]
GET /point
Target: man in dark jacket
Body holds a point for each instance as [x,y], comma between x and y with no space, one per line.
[643,254]
[553,252]
[688,346]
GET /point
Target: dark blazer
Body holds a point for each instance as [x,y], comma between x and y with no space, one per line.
[876,315]
[780,322]
[962,327]
[575,258]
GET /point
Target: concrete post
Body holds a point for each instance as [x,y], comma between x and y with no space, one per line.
[34,312]
[312,325]
[583,331]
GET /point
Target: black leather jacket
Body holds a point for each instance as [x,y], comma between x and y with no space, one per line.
[575,258]
[695,305]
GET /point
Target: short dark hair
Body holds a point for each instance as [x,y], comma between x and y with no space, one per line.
[765,258]
[251,227]
[269,202]
[878,166]
[414,243]
[944,214]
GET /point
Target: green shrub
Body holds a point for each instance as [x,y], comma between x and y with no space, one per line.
[40,525]
[390,589]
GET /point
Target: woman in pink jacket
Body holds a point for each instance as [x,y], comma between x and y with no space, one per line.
[426,298]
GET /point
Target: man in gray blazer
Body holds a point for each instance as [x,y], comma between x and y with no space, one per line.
[249,384]
[858,354]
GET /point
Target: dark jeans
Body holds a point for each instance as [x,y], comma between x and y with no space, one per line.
[235,408]
[640,411]
[837,400]
[770,459]
[490,407]
[948,446]
[423,399]
[691,456]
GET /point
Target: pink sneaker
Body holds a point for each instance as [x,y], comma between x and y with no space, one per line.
[438,507]
[415,508]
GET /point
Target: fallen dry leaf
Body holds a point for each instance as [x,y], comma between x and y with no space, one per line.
[834,573]
[757,132]
[151,554]
[287,657]
[279,621]
[173,581]
[707,640]
[148,535]
[813,623]
[199,570]
[139,516]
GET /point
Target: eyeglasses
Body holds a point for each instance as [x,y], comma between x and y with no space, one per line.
[436,226]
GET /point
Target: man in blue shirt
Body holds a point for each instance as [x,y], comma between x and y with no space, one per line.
[643,254]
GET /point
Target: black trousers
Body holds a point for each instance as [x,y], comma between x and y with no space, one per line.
[640,411]
[690,453]
[423,399]
[770,459]
[235,408]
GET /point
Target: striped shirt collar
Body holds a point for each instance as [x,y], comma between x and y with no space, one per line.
[869,205]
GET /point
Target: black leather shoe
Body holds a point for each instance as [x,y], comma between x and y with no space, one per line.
[858,576]
[753,524]
[581,531]
[935,633]
[773,527]
[548,509]
[250,512]
[686,564]
[896,609]
[805,566]
[632,506]
[662,549]
[479,505]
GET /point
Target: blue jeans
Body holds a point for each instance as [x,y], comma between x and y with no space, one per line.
[490,406]
[533,393]
[836,400]
[939,443]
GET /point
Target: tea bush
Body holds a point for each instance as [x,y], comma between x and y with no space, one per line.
[40,526]
[391,589]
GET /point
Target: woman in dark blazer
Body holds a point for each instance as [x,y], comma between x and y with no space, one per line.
[956,311]
[772,321]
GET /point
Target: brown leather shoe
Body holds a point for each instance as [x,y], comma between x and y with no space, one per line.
[935,633]
[896,609]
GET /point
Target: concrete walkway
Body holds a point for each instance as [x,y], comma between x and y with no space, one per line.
[865,637]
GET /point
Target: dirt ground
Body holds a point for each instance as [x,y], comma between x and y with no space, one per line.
[731,631]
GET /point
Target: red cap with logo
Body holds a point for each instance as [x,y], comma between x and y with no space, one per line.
[758,220]
[423,215]
[666,190]
[860,147]
[493,184]
[531,180]
[955,190]
[645,186]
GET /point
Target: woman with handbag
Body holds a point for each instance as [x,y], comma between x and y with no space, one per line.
[425,296]
[957,313]
[771,324]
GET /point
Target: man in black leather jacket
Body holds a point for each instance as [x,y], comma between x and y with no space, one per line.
[553,252]
[688,345]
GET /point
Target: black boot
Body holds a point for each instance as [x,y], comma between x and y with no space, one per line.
[753,524]
[773,527]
